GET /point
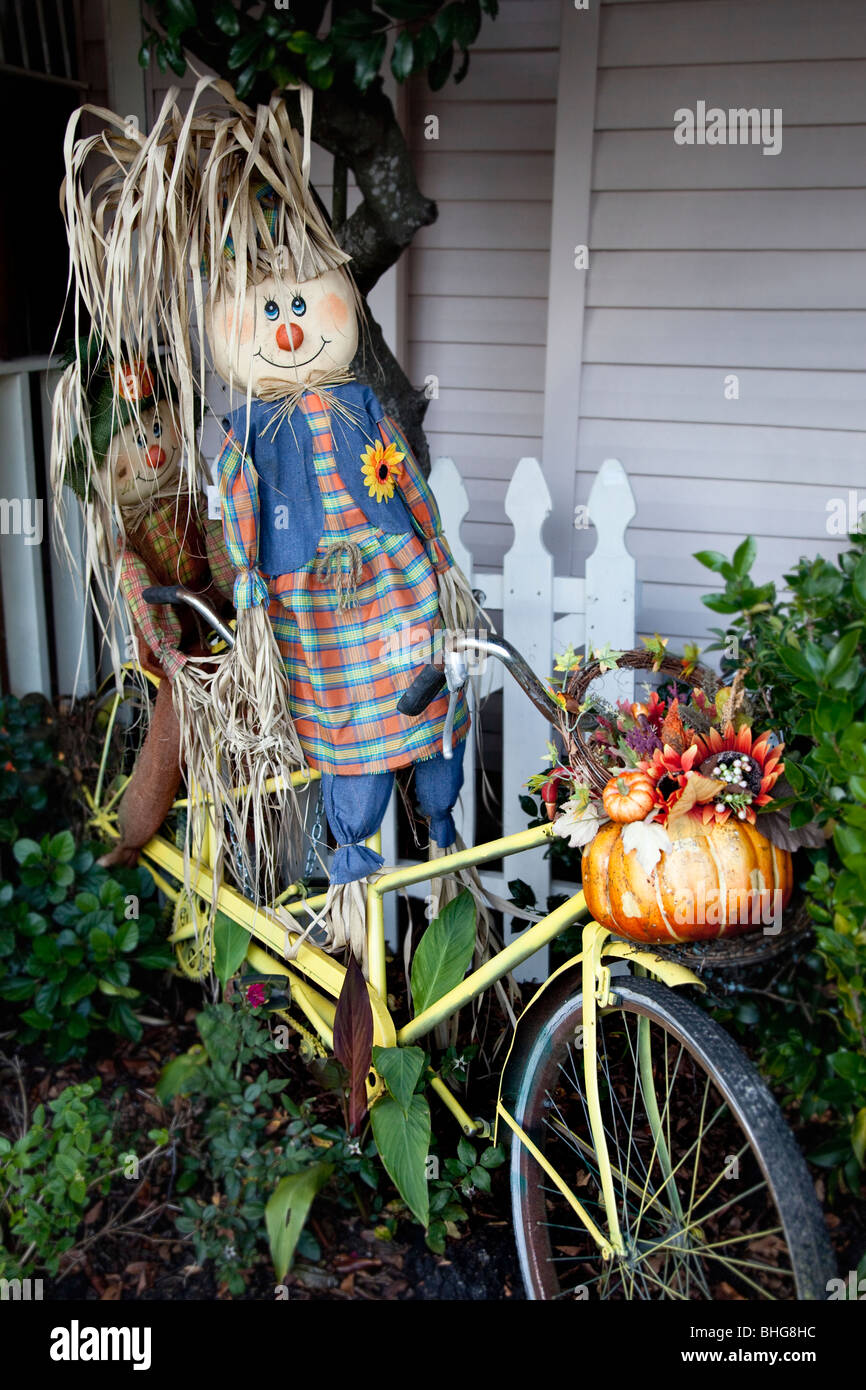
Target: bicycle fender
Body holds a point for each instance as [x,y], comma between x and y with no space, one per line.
[565,981]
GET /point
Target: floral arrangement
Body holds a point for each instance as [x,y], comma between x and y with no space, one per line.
[684,750]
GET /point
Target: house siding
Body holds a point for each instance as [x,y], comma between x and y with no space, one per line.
[707,261]
[478,278]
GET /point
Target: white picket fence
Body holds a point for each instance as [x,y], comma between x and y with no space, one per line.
[541,614]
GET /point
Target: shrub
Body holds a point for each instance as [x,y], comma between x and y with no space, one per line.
[48,1175]
[253,1137]
[804,656]
[70,935]
[29,763]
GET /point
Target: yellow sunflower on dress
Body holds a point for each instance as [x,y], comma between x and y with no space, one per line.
[382,470]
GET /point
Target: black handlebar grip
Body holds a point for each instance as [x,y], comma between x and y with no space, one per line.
[161,593]
[423,691]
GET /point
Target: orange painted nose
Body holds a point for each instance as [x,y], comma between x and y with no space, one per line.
[155,456]
[283,336]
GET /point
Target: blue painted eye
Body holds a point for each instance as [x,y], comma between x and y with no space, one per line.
[140,442]
[299,306]
[272,309]
[157,429]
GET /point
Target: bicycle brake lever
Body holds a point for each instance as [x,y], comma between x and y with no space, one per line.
[456,676]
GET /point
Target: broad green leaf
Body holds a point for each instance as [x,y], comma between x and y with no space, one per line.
[243,49]
[175,1077]
[403,1139]
[711,559]
[403,56]
[399,1068]
[226,17]
[288,1209]
[26,849]
[179,15]
[62,847]
[78,987]
[127,936]
[444,952]
[744,556]
[858,581]
[231,941]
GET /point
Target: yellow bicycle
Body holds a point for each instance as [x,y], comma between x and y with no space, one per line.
[648,1158]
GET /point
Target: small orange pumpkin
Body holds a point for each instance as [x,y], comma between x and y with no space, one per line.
[716,880]
[628,797]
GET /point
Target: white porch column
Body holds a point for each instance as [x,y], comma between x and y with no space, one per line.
[572,181]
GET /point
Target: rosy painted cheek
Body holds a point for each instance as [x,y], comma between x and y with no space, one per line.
[335,311]
[247,325]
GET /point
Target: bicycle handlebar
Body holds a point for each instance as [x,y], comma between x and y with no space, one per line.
[175,593]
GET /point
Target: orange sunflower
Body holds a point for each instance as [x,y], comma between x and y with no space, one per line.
[382,470]
[749,766]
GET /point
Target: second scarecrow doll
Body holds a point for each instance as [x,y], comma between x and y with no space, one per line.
[142,527]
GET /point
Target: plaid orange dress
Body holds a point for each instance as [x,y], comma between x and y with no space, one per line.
[349,666]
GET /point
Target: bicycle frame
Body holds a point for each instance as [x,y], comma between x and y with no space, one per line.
[315,978]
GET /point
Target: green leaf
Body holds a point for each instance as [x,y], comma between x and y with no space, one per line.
[226,17]
[179,15]
[230,947]
[127,936]
[466,1152]
[403,56]
[426,47]
[717,603]
[403,1139]
[240,52]
[711,560]
[841,654]
[288,1209]
[400,1069]
[858,1136]
[62,847]
[369,60]
[26,849]
[78,987]
[744,557]
[176,1077]
[444,952]
[493,1157]
[858,581]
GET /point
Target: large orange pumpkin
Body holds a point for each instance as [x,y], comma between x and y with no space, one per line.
[717,880]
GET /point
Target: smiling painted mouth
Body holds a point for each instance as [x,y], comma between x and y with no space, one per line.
[290,366]
[162,472]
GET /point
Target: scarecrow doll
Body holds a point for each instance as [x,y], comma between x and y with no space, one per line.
[142,528]
[343,576]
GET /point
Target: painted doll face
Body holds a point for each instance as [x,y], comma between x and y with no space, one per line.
[290,332]
[144,457]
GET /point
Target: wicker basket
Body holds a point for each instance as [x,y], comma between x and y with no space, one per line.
[583,760]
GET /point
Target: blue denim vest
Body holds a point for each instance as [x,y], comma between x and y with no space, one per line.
[291,517]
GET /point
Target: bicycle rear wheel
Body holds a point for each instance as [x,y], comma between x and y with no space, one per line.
[713,1197]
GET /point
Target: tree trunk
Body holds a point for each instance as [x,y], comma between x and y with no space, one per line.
[362,132]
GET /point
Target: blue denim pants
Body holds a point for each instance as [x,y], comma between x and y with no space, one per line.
[355,807]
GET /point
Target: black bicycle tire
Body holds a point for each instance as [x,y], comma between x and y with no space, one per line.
[770,1137]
